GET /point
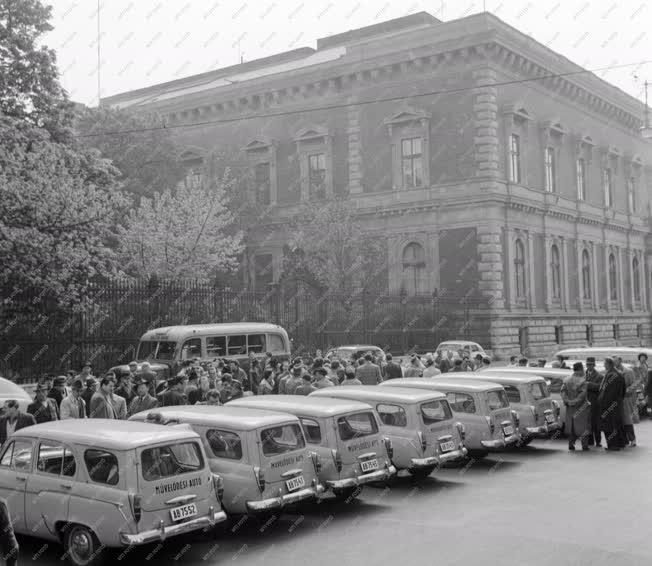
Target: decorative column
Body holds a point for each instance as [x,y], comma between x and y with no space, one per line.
[607,278]
[531,275]
[621,284]
[595,291]
[485,109]
[490,266]
[630,261]
[355,147]
[547,276]
[580,276]
[508,245]
[564,275]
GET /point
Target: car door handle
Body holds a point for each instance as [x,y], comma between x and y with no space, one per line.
[66,485]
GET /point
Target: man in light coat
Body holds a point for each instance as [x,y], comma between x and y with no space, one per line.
[102,402]
[73,406]
[578,410]
[368,373]
[143,401]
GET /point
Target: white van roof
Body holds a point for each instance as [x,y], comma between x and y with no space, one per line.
[174,333]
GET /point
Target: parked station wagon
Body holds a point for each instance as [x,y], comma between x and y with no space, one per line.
[107,483]
[261,455]
[345,434]
[420,424]
[489,422]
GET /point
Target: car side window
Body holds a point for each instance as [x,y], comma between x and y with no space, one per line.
[215,346]
[55,459]
[18,456]
[275,343]
[256,344]
[513,394]
[224,444]
[102,466]
[461,402]
[237,345]
[391,415]
[311,430]
[191,349]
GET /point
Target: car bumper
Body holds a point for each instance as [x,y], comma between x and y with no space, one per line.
[500,443]
[281,501]
[378,475]
[165,531]
[419,463]
[544,430]
[453,456]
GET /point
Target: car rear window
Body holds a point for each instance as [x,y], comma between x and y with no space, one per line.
[282,439]
[497,400]
[102,466]
[539,391]
[225,444]
[391,415]
[356,425]
[513,394]
[311,430]
[435,412]
[171,460]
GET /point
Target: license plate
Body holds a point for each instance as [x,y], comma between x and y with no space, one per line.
[184,512]
[508,430]
[369,465]
[295,483]
[550,419]
[447,446]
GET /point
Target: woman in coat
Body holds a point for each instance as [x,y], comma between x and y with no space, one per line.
[578,409]
[630,408]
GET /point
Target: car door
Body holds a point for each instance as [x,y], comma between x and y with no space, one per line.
[15,468]
[47,498]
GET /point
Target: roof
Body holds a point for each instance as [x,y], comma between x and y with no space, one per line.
[315,406]
[105,433]
[357,347]
[174,332]
[543,372]
[377,393]
[615,350]
[233,417]
[458,342]
[433,383]
[513,378]
[11,390]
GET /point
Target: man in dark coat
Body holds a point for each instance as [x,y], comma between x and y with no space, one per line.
[13,420]
[578,416]
[610,397]
[593,381]
[58,391]
[43,409]
[393,370]
[174,394]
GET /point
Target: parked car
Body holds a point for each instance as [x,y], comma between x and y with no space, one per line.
[348,353]
[261,455]
[473,348]
[10,390]
[107,483]
[420,424]
[490,424]
[629,355]
[528,395]
[345,434]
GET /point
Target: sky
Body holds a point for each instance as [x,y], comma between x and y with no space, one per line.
[145,42]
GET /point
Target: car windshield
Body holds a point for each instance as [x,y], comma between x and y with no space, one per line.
[171,460]
[158,350]
[282,439]
[435,411]
[356,425]
[539,391]
[497,399]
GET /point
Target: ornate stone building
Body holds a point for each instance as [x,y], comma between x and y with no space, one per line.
[487,161]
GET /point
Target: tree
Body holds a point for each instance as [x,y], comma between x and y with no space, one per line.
[147,157]
[183,232]
[331,249]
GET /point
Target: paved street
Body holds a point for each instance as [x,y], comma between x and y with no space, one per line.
[544,506]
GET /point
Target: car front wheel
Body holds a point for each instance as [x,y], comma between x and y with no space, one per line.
[82,546]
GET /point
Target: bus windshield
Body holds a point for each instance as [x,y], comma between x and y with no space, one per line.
[151,349]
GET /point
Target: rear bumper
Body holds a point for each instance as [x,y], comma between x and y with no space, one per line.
[164,531]
[281,501]
[543,431]
[379,475]
[500,442]
[453,456]
[419,463]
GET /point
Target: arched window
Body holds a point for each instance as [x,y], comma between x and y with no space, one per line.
[555,270]
[519,268]
[586,275]
[636,274]
[414,269]
[613,279]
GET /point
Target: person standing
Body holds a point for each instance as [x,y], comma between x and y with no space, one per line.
[610,397]
[86,372]
[431,369]
[43,409]
[101,401]
[513,362]
[306,388]
[73,406]
[58,391]
[14,419]
[294,381]
[393,370]
[174,396]
[266,384]
[8,544]
[350,378]
[458,367]
[630,409]
[87,394]
[143,401]
[368,373]
[321,379]
[125,388]
[578,410]
[213,398]
[593,381]
[149,376]
[200,392]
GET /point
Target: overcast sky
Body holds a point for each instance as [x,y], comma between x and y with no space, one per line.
[145,42]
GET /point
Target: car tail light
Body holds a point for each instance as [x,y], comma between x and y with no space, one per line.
[260,478]
[492,427]
[422,439]
[517,420]
[461,430]
[218,484]
[337,459]
[555,404]
[316,461]
[136,507]
[389,448]
[534,412]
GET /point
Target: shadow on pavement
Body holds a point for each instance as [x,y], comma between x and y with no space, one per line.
[484,466]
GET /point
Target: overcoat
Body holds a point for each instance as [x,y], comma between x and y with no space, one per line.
[578,411]
[630,410]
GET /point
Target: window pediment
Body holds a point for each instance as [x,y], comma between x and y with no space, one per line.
[518,111]
[311,134]
[259,143]
[406,116]
[191,156]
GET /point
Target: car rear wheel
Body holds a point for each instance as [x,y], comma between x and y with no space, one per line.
[82,546]
[422,473]
[347,494]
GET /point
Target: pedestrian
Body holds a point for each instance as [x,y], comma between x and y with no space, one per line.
[321,379]
[254,374]
[146,373]
[213,398]
[119,403]
[125,388]
[58,391]
[133,370]
[541,363]
[87,394]
[486,362]
[350,378]
[266,384]
[457,367]
[102,402]
[73,406]
[13,419]
[238,373]
[630,408]
[610,397]
[393,370]
[431,369]
[85,373]
[193,383]
[578,411]
[413,368]
[593,380]
[477,362]
[143,401]
[306,388]
[522,362]
[8,544]
[295,380]
[513,362]
[236,390]
[174,394]
[200,393]
[43,409]
[368,373]
[336,373]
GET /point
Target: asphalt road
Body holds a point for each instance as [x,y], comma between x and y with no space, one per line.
[538,507]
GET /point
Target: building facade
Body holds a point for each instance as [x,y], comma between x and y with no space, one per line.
[487,162]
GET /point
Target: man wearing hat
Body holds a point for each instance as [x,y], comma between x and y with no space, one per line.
[295,380]
[593,380]
[147,374]
[173,396]
[610,398]
[86,372]
[125,388]
[306,388]
[578,417]
[14,419]
[457,367]
[58,390]
[43,409]
[143,401]
[431,369]
[73,406]
[88,392]
[522,362]
[321,378]
[542,362]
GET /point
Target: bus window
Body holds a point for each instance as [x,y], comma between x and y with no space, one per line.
[215,346]
[256,343]
[237,345]
[275,343]
[191,349]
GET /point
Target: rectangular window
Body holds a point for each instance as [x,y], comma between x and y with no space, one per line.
[216,346]
[550,169]
[631,194]
[589,334]
[356,425]
[558,334]
[581,178]
[18,456]
[256,343]
[607,187]
[461,402]
[311,430]
[171,460]
[639,331]
[435,412]
[539,391]
[392,415]
[515,158]
[237,345]
[412,163]
[55,459]
[191,349]
[263,271]
[282,439]
[513,394]
[497,400]
[224,444]
[616,331]
[102,466]
[275,343]
[317,175]
[262,183]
